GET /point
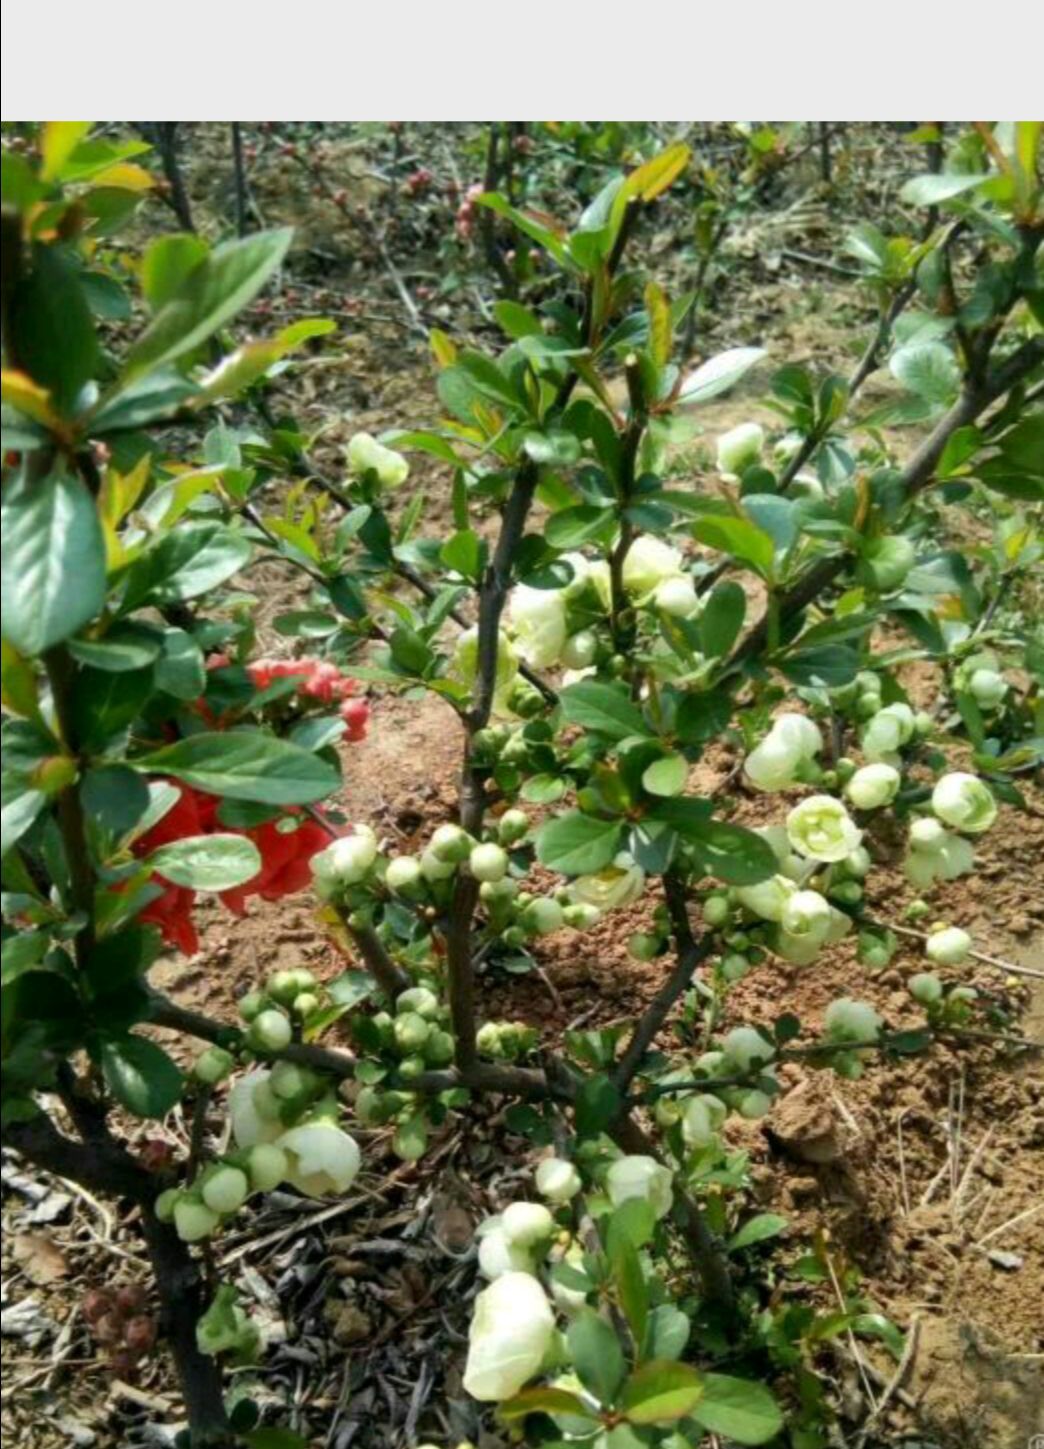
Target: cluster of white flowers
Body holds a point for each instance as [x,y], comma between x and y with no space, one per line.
[283,1132]
[513,1326]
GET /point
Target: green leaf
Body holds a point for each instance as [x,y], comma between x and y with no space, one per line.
[181,669]
[606,709]
[17,814]
[208,295]
[544,1401]
[757,1230]
[731,852]
[661,1392]
[570,527]
[53,560]
[181,565]
[739,538]
[824,668]
[167,263]
[927,369]
[51,328]
[576,844]
[245,765]
[738,1409]
[597,1103]
[700,717]
[465,554]
[207,862]
[124,647]
[668,1332]
[722,618]
[529,224]
[140,1075]
[718,374]
[933,188]
[597,1355]
[666,776]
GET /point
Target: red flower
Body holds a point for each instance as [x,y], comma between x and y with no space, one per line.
[356,715]
[285,856]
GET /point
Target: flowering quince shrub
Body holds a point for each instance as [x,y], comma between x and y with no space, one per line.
[621,622]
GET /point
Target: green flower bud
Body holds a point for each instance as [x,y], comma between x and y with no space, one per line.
[450,843]
[252,1004]
[213,1065]
[926,988]
[488,862]
[404,876]
[439,1049]
[305,1005]
[412,1066]
[225,1189]
[643,947]
[164,1206]
[266,1166]
[270,1031]
[716,911]
[543,917]
[193,1220]
[580,916]
[418,999]
[512,826]
[288,1081]
[411,1032]
[513,938]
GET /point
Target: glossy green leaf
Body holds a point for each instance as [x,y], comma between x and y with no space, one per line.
[661,1392]
[245,765]
[605,708]
[577,844]
[738,1409]
[207,862]
[140,1075]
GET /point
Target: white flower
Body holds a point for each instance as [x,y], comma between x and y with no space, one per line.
[570,1300]
[488,862]
[848,1020]
[581,567]
[873,786]
[615,886]
[251,1123]
[557,1179]
[579,649]
[964,802]
[820,828]
[649,561]
[345,862]
[365,454]
[677,597]
[496,1255]
[739,448]
[702,1119]
[774,764]
[807,915]
[768,897]
[432,868]
[887,731]
[790,865]
[320,1158]
[641,1177]
[936,854]
[948,946]
[270,1031]
[744,1047]
[526,1223]
[537,618]
[599,576]
[928,834]
[510,1333]
[226,1189]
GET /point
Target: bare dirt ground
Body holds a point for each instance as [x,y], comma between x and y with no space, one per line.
[928,1177]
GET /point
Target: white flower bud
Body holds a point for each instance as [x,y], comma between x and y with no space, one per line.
[581,917]
[848,1020]
[677,597]
[739,448]
[251,1124]
[557,1179]
[873,786]
[526,1223]
[702,1119]
[649,561]
[579,650]
[343,863]
[948,946]
[420,1000]
[792,741]
[642,1177]
[767,898]
[488,862]
[226,1189]
[744,1048]
[964,802]
[926,987]
[807,915]
[820,828]
[164,1206]
[988,687]
[512,826]
[403,876]
[496,1255]
[366,454]
[511,1332]
[464,664]
[927,834]
[887,731]
[433,869]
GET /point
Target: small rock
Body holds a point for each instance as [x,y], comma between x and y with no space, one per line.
[803,1127]
[349,1324]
